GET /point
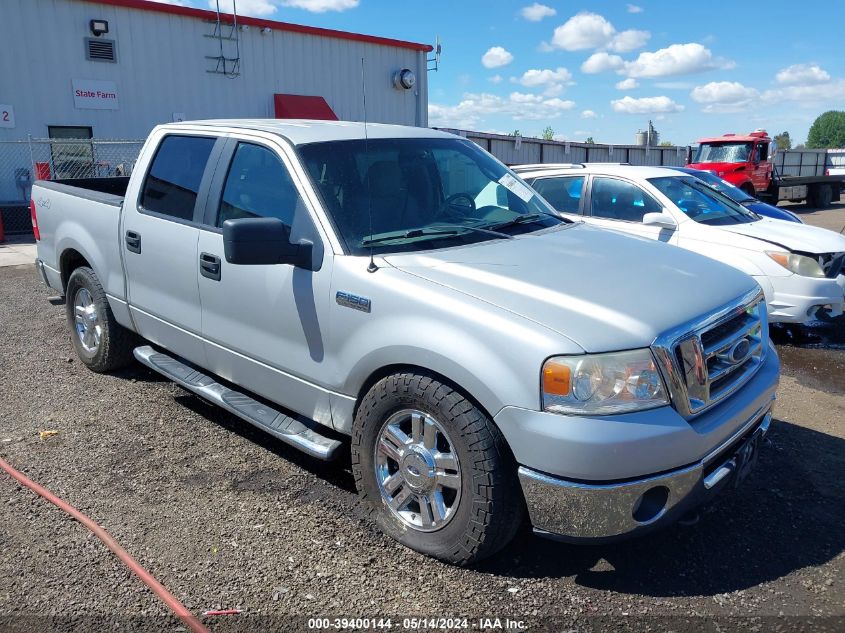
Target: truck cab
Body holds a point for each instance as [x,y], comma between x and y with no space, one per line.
[742,160]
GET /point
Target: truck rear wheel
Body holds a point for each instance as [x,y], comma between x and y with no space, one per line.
[822,196]
[101,343]
[434,470]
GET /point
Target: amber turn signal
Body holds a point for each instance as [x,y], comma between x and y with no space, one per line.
[556,379]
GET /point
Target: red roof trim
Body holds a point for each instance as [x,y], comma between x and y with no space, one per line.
[146,5]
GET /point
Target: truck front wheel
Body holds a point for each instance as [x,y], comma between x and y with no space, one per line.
[101,343]
[434,470]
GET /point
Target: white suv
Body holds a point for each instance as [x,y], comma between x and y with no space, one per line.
[801,268]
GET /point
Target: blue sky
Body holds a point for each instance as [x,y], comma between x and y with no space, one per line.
[603,68]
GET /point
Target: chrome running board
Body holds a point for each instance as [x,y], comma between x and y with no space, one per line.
[278,424]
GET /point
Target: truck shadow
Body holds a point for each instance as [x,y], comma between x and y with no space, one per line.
[788,515]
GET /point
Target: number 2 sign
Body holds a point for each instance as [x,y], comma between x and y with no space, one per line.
[7,115]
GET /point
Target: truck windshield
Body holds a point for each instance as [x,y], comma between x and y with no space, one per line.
[729,152]
[420,193]
[702,203]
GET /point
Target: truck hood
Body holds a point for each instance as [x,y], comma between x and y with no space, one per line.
[792,236]
[603,290]
[719,168]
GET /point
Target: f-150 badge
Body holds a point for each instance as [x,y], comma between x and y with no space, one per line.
[353,301]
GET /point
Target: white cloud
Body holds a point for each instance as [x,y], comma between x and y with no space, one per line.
[245,7]
[496,57]
[811,96]
[583,31]
[629,40]
[587,30]
[677,59]
[588,114]
[627,84]
[520,106]
[536,12]
[552,81]
[601,62]
[802,75]
[534,77]
[632,8]
[645,105]
[495,79]
[318,6]
[724,96]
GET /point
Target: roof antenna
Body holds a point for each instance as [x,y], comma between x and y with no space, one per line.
[371,267]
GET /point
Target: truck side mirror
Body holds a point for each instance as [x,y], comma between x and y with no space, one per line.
[663,220]
[262,242]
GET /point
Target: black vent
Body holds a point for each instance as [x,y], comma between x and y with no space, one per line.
[100,50]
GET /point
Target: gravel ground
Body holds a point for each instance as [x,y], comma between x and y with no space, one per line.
[227,517]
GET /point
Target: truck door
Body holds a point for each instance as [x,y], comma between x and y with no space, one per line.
[159,240]
[262,323]
[762,167]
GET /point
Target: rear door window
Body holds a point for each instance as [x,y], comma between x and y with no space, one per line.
[173,182]
[620,200]
[564,193]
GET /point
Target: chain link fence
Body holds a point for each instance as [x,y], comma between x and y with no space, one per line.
[24,162]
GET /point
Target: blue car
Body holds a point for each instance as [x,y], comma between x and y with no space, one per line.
[740,197]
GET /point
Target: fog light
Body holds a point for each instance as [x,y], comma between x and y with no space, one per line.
[651,505]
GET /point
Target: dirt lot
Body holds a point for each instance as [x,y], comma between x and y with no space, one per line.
[227,517]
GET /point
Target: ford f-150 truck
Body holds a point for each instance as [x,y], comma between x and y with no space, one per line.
[402,288]
[753,163]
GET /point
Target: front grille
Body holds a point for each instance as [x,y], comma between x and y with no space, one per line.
[715,356]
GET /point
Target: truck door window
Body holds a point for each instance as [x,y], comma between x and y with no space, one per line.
[619,200]
[564,194]
[258,186]
[174,178]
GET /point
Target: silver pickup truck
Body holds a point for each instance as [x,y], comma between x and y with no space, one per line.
[402,288]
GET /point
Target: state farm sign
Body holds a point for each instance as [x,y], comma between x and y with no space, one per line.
[89,94]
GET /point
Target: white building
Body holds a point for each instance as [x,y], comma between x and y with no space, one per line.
[159,62]
[113,69]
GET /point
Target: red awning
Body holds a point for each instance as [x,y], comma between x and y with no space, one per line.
[302,107]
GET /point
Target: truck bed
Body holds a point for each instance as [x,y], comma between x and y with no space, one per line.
[106,190]
[81,218]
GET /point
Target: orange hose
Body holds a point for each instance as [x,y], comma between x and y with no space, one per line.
[168,598]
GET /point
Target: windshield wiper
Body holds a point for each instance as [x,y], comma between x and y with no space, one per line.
[432,232]
[521,219]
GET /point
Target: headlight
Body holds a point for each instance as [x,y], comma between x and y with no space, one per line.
[798,264]
[602,384]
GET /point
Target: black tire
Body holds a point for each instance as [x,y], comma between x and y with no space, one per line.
[491,506]
[823,196]
[116,342]
[749,189]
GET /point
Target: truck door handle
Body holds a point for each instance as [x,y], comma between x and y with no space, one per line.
[210,266]
[133,241]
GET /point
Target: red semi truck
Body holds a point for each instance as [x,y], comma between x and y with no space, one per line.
[753,163]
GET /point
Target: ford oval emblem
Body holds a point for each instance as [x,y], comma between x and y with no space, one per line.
[739,352]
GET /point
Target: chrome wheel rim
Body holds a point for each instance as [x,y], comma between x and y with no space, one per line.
[87,321]
[417,470]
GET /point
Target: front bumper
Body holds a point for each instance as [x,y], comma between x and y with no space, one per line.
[577,511]
[797,299]
[583,477]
